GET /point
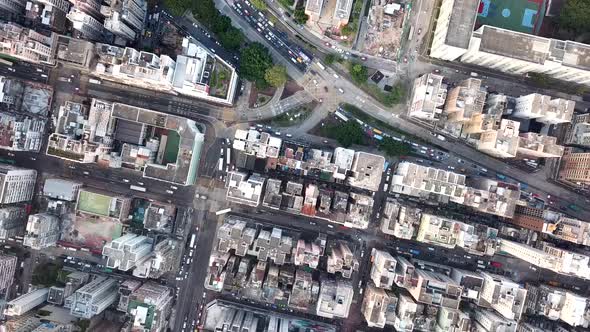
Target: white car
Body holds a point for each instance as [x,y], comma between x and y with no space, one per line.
[170,192]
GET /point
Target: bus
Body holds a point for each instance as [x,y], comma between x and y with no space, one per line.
[6,62]
[224,211]
[341,116]
[228,156]
[137,188]
[321,66]
[411,33]
[192,241]
[377,131]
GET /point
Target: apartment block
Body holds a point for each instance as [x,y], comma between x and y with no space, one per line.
[500,143]
[490,321]
[452,35]
[7,270]
[558,304]
[13,220]
[126,251]
[307,253]
[93,298]
[503,295]
[539,146]
[85,24]
[374,306]
[160,261]
[125,18]
[16,184]
[73,282]
[341,260]
[471,282]
[335,299]
[404,316]
[575,168]
[404,272]
[428,97]
[399,220]
[257,144]
[43,231]
[382,269]
[26,302]
[554,223]
[26,44]
[366,170]
[464,102]
[244,189]
[452,320]
[579,131]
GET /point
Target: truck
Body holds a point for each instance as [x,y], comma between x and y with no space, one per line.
[320,65]
[94,81]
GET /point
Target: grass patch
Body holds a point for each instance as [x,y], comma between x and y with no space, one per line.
[171,152]
[382,125]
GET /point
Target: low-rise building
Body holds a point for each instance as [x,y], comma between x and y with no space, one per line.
[335,299]
[257,144]
[74,52]
[27,44]
[43,231]
[490,321]
[452,320]
[149,307]
[472,283]
[399,220]
[307,253]
[61,189]
[103,204]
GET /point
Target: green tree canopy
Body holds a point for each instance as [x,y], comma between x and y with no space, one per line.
[358,72]
[330,58]
[575,15]
[231,39]
[255,60]
[347,134]
[394,148]
[395,96]
[276,75]
[300,16]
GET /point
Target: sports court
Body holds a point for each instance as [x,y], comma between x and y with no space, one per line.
[94,203]
[516,15]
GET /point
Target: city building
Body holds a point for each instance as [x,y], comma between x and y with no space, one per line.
[160,261]
[26,302]
[539,146]
[93,298]
[403,313]
[436,289]
[125,18]
[13,220]
[43,231]
[194,70]
[503,295]
[133,67]
[544,109]
[73,282]
[554,223]
[374,306]
[15,7]
[257,144]
[575,168]
[313,9]
[558,304]
[74,52]
[490,321]
[341,260]
[7,270]
[50,14]
[382,269]
[452,320]
[307,253]
[26,44]
[464,102]
[472,283]
[488,196]
[428,97]
[149,307]
[335,299]
[578,133]
[125,252]
[85,24]
[366,169]
[399,220]
[244,189]
[16,184]
[126,288]
[61,189]
[500,143]
[159,216]
[341,13]
[103,204]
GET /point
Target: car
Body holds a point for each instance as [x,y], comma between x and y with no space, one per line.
[328,44]
[289,135]
[126,181]
[204,294]
[43,75]
[450,167]
[86,173]
[419,30]
[170,192]
[330,226]
[278,133]
[39,70]
[174,187]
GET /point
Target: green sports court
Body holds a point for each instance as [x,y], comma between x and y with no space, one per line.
[516,15]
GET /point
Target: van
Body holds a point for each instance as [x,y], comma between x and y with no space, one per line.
[341,91]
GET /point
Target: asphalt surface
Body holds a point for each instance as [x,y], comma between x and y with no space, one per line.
[26,71]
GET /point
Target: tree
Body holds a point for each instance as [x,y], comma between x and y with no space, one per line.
[395,96]
[254,61]
[358,73]
[176,7]
[259,4]
[539,79]
[300,16]
[394,148]
[276,75]
[83,324]
[575,15]
[206,13]
[330,58]
[221,24]
[347,134]
[232,38]
[348,29]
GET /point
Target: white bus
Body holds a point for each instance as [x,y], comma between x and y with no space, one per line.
[136,188]
[321,66]
[193,239]
[341,116]
[228,156]
[220,164]
[224,211]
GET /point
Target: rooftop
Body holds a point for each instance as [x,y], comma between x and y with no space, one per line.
[513,44]
[461,23]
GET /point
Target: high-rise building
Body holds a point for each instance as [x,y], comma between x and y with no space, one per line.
[428,97]
[383,268]
[503,295]
[149,307]
[89,27]
[12,221]
[26,302]
[16,7]
[7,269]
[579,131]
[48,13]
[16,184]
[125,252]
[125,18]
[575,167]
[93,298]
[558,304]
[43,231]
[452,320]
[335,299]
